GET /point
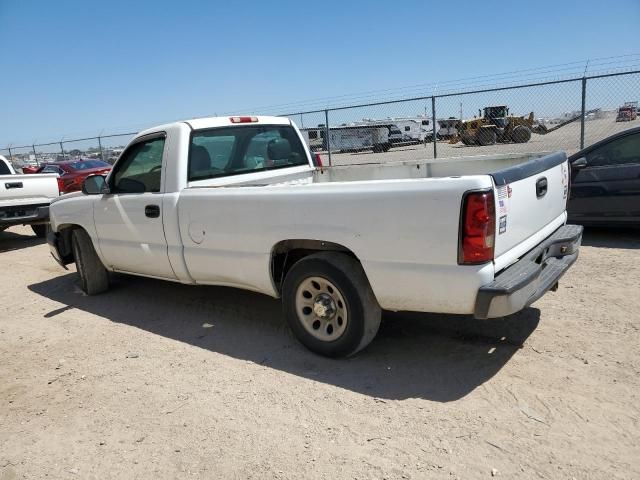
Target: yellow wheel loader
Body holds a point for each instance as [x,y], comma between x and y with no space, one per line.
[495,125]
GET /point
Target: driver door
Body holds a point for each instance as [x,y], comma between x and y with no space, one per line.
[608,188]
[129,218]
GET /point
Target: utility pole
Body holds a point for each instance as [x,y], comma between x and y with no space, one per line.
[460,111]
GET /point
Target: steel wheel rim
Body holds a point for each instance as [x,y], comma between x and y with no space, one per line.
[321,309]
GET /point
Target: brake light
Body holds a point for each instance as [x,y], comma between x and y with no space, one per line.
[60,186]
[243,119]
[317,160]
[478,227]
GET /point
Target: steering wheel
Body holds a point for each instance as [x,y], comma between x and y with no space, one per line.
[157,167]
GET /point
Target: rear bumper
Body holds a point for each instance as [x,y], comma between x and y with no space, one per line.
[538,271]
[23,214]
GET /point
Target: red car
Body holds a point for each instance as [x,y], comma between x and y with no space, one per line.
[73,172]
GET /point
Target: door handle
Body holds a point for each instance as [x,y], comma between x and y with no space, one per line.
[152,211]
[541,187]
[9,185]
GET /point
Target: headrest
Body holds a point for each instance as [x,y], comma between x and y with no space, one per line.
[279,149]
[200,159]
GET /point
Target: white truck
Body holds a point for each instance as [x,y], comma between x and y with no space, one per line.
[25,199]
[236,201]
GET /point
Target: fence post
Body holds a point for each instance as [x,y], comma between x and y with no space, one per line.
[100,147]
[583,111]
[62,149]
[433,126]
[326,134]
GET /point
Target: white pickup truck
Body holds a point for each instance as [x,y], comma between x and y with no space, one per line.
[24,199]
[237,201]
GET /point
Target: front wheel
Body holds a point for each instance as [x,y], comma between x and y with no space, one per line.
[94,278]
[521,134]
[330,305]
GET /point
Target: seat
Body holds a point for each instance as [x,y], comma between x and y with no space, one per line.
[278,151]
[199,161]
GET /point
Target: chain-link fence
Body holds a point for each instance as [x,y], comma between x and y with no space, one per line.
[564,115]
[104,147]
[567,114]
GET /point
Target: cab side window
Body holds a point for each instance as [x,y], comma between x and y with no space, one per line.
[139,170]
[625,150]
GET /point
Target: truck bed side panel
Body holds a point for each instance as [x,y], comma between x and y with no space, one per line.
[405,233]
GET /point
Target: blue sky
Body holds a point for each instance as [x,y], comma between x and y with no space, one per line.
[74,68]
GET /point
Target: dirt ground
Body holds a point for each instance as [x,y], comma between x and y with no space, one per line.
[159,380]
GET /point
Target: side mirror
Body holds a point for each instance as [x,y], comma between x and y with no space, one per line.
[94,185]
[579,163]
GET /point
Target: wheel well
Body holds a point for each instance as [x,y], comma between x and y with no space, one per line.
[64,243]
[287,252]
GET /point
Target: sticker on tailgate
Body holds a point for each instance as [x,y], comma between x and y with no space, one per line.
[502,226]
[565,180]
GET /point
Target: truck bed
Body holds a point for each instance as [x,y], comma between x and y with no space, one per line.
[448,167]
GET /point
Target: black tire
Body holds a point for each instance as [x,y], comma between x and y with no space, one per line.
[521,134]
[94,278]
[386,147]
[468,140]
[486,137]
[40,230]
[363,311]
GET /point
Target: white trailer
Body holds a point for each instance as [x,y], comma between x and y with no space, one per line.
[447,128]
[349,138]
[413,129]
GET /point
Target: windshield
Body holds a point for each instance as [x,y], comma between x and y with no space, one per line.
[88,164]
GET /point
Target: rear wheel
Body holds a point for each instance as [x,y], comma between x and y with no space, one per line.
[521,134]
[94,278]
[329,304]
[40,230]
[486,137]
[467,139]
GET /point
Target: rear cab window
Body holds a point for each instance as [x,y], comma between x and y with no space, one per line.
[225,151]
[53,169]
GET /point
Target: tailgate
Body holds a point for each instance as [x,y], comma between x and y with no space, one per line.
[528,198]
[27,189]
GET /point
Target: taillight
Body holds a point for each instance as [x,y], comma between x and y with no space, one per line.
[317,160]
[243,119]
[66,185]
[478,229]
